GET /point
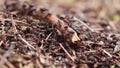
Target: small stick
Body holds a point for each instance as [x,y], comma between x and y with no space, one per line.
[1,42]
[14,26]
[49,35]
[22,39]
[9,65]
[83,23]
[7,19]
[39,63]
[107,53]
[46,39]
[3,32]
[67,52]
[91,51]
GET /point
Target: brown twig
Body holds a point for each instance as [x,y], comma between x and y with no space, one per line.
[15,20]
[49,35]
[20,37]
[3,32]
[67,52]
[60,25]
[46,39]
[39,63]
[1,42]
[14,25]
[8,19]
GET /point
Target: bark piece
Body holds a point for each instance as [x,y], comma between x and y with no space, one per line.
[63,27]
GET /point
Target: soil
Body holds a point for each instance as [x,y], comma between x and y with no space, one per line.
[37,37]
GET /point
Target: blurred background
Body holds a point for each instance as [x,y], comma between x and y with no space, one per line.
[94,10]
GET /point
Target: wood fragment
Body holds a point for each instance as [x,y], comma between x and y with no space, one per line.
[61,26]
[49,35]
[1,42]
[3,28]
[67,52]
[39,63]
[14,25]
[107,53]
[22,39]
[15,20]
